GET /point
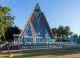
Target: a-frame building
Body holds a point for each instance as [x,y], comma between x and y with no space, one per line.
[37,28]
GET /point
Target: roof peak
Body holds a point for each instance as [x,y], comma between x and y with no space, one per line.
[37,6]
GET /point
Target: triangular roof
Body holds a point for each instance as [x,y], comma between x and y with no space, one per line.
[37,6]
[32,27]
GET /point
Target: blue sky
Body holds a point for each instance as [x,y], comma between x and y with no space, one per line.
[57,12]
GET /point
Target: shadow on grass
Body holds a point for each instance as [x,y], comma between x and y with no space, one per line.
[42,52]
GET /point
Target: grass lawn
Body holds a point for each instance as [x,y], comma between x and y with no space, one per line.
[47,53]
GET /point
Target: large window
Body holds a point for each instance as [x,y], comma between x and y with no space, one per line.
[28,31]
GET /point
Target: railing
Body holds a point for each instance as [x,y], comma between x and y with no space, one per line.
[41,45]
[37,43]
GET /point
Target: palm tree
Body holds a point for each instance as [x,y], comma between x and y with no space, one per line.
[67,30]
[79,36]
[60,32]
[75,36]
[54,30]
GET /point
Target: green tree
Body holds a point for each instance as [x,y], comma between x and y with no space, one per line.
[75,36]
[54,30]
[6,20]
[62,32]
[79,36]
[67,30]
[10,31]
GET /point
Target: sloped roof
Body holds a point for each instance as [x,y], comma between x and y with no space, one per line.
[29,22]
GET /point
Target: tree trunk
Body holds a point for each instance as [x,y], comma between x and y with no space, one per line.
[9,49]
[4,36]
[8,44]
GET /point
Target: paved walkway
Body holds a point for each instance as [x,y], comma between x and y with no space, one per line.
[6,51]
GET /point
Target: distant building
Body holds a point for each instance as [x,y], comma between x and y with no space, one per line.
[37,28]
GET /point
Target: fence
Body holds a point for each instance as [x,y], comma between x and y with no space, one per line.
[74,40]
